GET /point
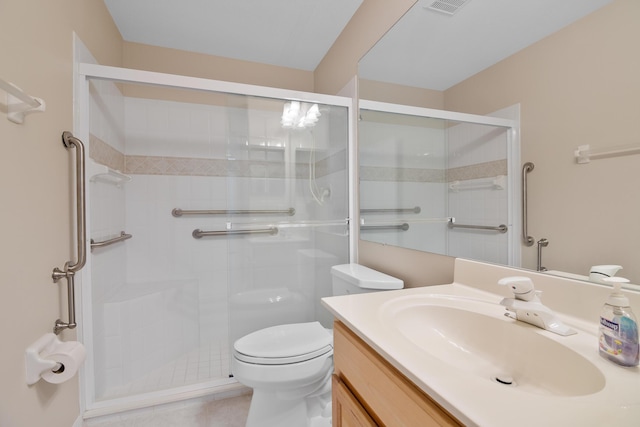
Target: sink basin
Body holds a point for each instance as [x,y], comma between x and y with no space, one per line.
[474,336]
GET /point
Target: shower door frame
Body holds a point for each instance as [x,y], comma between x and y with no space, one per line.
[83,73]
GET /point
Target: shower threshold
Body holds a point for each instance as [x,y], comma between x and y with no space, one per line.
[201,372]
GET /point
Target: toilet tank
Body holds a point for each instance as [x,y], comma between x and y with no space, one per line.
[357,279]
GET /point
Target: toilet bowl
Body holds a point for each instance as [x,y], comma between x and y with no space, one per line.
[289,366]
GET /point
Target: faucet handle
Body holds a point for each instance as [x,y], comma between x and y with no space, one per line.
[521,286]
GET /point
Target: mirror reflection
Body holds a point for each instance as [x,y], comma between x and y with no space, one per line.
[576,82]
[433,182]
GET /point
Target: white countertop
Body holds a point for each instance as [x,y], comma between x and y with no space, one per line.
[475,400]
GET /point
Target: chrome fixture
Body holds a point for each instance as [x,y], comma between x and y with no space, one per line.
[70,268]
[500,228]
[527,240]
[542,243]
[177,212]
[404,227]
[122,237]
[415,210]
[197,233]
[527,307]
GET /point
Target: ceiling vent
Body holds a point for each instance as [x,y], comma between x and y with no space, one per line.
[449,7]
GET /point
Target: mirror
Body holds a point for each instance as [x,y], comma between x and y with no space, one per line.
[438,181]
[577,83]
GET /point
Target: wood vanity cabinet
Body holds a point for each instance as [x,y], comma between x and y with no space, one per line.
[368,391]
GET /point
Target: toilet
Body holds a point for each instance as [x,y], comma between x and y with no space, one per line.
[289,366]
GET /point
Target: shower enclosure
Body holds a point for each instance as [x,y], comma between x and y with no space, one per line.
[214,209]
[440,181]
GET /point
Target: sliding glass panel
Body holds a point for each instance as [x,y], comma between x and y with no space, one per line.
[183,171]
[435,185]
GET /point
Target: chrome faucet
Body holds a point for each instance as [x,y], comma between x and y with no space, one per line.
[527,307]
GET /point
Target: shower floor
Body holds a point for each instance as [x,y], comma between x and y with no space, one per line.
[206,363]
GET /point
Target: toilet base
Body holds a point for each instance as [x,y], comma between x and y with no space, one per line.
[270,410]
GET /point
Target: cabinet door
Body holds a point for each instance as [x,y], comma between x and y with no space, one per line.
[347,411]
[390,398]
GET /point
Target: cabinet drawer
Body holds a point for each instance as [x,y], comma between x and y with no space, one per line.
[387,395]
[347,411]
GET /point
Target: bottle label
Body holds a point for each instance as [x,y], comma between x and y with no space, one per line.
[610,325]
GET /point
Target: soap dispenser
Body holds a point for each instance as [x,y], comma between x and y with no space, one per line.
[618,332]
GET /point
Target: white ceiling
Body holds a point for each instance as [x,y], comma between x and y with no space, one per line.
[426,49]
[290,33]
[436,51]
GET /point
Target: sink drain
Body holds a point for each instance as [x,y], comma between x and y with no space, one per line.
[504,379]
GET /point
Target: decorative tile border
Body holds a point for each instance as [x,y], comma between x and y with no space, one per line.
[103,153]
[374,173]
[480,170]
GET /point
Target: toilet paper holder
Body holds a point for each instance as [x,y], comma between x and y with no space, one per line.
[35,364]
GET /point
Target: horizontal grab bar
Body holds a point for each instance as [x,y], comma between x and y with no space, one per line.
[500,228]
[415,210]
[403,227]
[177,212]
[122,237]
[197,233]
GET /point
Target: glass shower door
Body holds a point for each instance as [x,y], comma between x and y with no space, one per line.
[294,193]
[236,217]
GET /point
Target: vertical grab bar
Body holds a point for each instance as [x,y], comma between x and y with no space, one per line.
[70,268]
[526,168]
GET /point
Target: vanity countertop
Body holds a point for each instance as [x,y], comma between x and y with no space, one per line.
[479,400]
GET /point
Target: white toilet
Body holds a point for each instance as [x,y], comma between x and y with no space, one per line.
[289,366]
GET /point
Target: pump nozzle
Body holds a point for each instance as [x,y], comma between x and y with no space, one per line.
[617,298]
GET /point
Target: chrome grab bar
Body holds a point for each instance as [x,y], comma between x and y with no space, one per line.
[542,243]
[177,212]
[122,237]
[71,268]
[403,227]
[415,210]
[197,233]
[500,228]
[527,240]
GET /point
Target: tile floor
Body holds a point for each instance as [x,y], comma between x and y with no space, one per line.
[202,364]
[202,412]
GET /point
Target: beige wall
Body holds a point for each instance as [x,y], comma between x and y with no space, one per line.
[578,86]
[372,19]
[172,61]
[36,54]
[399,94]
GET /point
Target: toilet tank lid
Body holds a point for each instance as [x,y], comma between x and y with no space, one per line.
[365,277]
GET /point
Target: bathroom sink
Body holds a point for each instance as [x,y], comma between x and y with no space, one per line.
[474,336]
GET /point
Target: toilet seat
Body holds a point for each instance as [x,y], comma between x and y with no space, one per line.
[284,344]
